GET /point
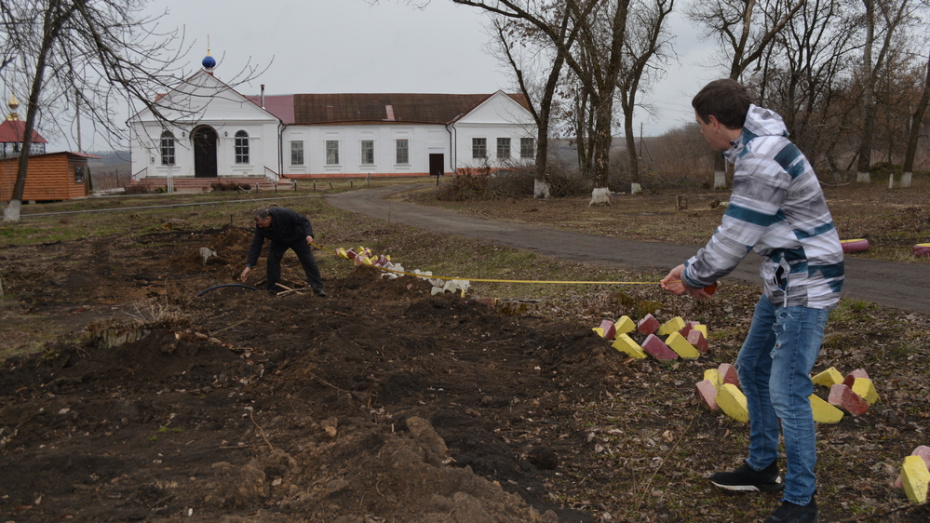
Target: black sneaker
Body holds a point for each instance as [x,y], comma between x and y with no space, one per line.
[747,479]
[319,292]
[791,513]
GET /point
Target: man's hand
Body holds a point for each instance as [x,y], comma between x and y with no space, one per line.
[672,283]
[245,274]
[310,240]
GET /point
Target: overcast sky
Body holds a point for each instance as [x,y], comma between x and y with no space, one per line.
[346,46]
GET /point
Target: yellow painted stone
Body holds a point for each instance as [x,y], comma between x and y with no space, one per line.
[673,325]
[732,402]
[624,343]
[599,331]
[702,328]
[713,376]
[680,345]
[824,412]
[828,378]
[625,324]
[866,390]
[916,478]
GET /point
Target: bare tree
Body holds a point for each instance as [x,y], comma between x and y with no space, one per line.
[597,60]
[745,29]
[519,32]
[800,74]
[102,55]
[914,132]
[881,19]
[646,42]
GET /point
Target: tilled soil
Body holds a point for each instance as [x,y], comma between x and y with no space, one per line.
[173,398]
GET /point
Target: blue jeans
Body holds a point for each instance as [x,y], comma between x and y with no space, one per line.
[774,369]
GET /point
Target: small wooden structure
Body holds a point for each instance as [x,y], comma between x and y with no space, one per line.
[50,177]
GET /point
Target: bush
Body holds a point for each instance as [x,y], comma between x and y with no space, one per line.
[463,187]
[229,186]
[136,188]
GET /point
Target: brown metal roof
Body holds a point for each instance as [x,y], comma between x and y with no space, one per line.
[378,107]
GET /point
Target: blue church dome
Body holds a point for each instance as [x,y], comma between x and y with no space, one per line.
[208,62]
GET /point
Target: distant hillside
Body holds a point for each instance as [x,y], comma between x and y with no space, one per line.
[110,158]
[111,171]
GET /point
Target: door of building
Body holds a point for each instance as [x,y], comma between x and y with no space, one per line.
[436,164]
[204,139]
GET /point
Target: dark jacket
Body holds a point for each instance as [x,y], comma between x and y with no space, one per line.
[287,227]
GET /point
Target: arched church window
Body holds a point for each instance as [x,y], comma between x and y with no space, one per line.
[167,148]
[242,147]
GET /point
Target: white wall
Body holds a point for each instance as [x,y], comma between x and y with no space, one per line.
[421,141]
[207,101]
[204,101]
[497,117]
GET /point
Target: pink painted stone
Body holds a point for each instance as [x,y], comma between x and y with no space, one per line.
[728,374]
[610,330]
[706,394]
[658,349]
[689,326]
[696,338]
[648,324]
[843,397]
[850,379]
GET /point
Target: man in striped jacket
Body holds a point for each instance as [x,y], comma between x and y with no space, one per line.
[776,208]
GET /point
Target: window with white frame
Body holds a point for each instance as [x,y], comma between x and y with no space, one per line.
[167,148]
[242,147]
[368,152]
[528,148]
[503,148]
[403,150]
[479,147]
[297,152]
[332,152]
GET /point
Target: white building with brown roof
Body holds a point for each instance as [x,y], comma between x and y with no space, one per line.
[220,135]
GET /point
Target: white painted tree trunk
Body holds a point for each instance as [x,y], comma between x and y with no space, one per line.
[863,177]
[540,189]
[600,196]
[720,179]
[11,213]
[906,179]
[636,188]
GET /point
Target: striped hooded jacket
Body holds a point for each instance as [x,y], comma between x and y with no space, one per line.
[777,209]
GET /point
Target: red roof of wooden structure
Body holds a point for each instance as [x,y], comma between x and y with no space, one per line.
[13,131]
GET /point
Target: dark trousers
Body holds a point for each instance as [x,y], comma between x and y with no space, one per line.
[307,261]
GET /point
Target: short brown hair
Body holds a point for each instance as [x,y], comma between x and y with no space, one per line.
[261,214]
[726,99]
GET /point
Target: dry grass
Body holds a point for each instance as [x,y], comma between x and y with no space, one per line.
[893,220]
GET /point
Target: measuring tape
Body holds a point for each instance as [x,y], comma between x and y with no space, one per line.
[710,289]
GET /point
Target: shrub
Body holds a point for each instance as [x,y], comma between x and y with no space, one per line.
[136,188]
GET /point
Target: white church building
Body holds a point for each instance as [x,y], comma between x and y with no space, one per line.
[216,134]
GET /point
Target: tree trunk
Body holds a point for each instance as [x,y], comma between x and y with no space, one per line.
[541,180]
[602,143]
[914,134]
[868,97]
[635,186]
[51,27]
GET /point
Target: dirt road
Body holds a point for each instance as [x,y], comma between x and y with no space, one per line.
[900,285]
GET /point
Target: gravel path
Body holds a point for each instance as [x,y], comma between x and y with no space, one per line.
[901,285]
